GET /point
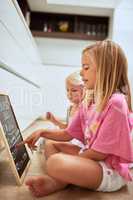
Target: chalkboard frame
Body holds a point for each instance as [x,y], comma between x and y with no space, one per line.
[19,179]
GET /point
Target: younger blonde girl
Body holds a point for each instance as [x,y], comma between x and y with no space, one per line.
[75,94]
[74,89]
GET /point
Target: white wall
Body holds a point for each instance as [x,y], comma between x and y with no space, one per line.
[123,32]
[61,52]
[60,58]
[54,89]
[88,3]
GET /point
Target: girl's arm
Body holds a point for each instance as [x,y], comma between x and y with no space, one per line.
[60,124]
[93,155]
[58,135]
[55,121]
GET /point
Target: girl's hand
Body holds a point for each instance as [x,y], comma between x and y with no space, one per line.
[50,117]
[31,140]
[55,121]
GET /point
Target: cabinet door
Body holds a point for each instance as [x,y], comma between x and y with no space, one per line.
[27,101]
[18,48]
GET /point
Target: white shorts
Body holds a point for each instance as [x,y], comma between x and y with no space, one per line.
[77,143]
[112,181]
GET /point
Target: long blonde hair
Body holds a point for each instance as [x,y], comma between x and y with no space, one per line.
[111,72]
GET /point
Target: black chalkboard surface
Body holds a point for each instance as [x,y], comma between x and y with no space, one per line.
[11,134]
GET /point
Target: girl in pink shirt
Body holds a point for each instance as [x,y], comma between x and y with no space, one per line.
[103,125]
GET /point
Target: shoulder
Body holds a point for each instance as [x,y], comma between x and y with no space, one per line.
[118,101]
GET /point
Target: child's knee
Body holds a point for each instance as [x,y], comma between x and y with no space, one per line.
[55,164]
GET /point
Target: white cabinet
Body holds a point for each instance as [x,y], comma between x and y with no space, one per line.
[18,54]
[27,100]
[18,49]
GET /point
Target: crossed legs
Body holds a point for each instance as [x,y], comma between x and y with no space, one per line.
[63,169]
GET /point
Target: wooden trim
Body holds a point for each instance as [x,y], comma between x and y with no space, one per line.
[75,36]
[19,179]
[24,5]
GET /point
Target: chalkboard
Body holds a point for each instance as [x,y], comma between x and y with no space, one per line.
[11,134]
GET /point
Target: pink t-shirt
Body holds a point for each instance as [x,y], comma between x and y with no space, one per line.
[108,132]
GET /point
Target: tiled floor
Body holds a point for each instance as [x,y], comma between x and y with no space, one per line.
[10,191]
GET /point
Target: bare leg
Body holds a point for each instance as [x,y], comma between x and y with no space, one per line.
[43,185]
[52,147]
[75,170]
[66,169]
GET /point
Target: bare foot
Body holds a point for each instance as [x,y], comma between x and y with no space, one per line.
[43,185]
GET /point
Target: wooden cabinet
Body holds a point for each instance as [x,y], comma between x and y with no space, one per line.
[69,26]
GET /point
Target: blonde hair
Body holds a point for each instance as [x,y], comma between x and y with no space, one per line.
[74,79]
[111,72]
